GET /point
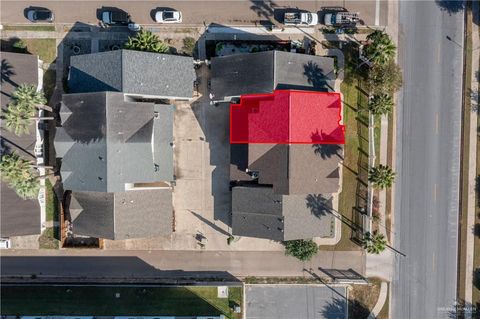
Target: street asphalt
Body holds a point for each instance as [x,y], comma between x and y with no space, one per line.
[428,161]
[143,264]
[195,12]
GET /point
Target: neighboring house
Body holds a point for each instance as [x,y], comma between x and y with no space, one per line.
[135,73]
[264,72]
[122,215]
[18,217]
[117,159]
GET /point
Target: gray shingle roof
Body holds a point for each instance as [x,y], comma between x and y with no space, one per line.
[291,169]
[263,72]
[133,72]
[17,69]
[106,142]
[18,216]
[122,215]
[258,212]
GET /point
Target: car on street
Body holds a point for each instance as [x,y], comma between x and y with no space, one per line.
[5,243]
[341,19]
[40,15]
[115,17]
[168,16]
[300,18]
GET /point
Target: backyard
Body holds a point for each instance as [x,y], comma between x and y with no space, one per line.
[112,301]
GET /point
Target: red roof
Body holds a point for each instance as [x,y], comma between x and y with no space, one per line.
[287,117]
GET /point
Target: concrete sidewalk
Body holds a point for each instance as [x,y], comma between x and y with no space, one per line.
[472,160]
[142,264]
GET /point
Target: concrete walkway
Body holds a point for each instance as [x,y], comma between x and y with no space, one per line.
[472,160]
[380,302]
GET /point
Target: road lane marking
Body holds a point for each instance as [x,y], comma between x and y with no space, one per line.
[438,54]
[436,122]
[434,192]
[433,261]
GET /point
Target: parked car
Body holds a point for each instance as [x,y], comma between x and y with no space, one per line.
[40,15]
[5,243]
[300,18]
[115,17]
[168,16]
[340,19]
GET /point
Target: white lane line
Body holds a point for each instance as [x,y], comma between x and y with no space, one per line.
[438,54]
[436,123]
[377,12]
[434,192]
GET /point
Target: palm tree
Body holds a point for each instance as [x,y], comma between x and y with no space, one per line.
[380,49]
[381,176]
[21,111]
[374,243]
[381,104]
[146,41]
[20,175]
[19,117]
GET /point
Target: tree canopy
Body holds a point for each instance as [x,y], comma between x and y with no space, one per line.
[374,243]
[384,78]
[146,41]
[381,176]
[20,176]
[381,104]
[380,49]
[301,249]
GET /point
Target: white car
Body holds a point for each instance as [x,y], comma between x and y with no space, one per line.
[5,243]
[168,17]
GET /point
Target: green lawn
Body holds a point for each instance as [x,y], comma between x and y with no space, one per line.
[29,27]
[46,49]
[133,301]
[51,202]
[355,152]
[47,239]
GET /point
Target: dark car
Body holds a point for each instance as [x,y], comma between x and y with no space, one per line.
[40,15]
[115,18]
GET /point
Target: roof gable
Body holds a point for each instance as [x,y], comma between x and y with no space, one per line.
[133,72]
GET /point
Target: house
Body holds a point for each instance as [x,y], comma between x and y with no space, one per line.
[122,215]
[135,73]
[108,144]
[284,191]
[286,143]
[117,159]
[264,72]
[19,217]
[259,212]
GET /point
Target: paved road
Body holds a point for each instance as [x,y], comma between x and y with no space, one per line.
[148,264]
[198,12]
[428,161]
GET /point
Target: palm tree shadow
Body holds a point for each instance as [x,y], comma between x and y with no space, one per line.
[328,150]
[319,205]
[7,72]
